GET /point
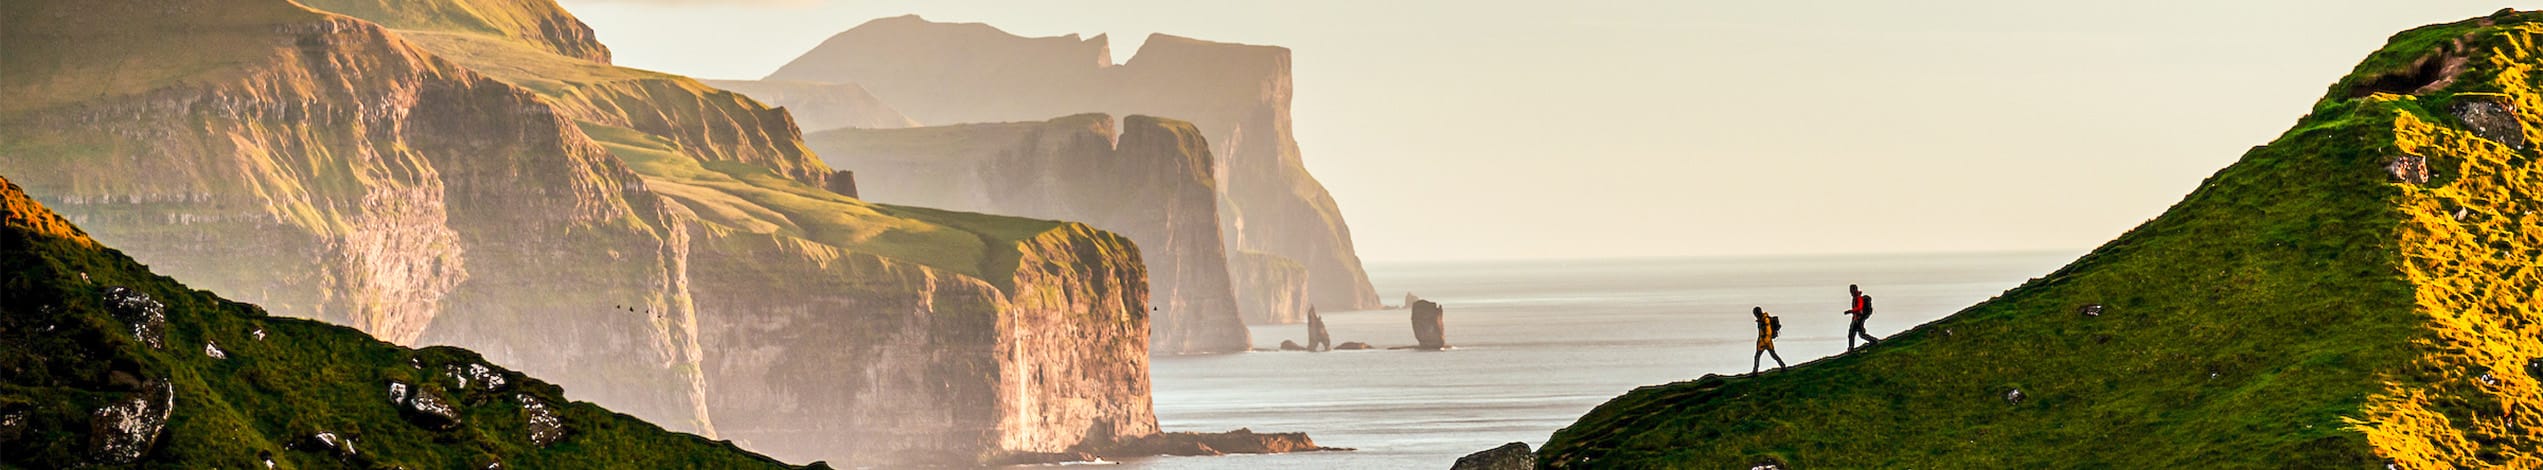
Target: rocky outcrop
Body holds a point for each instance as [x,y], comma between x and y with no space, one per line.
[1430,325]
[1237,95]
[453,181]
[1511,456]
[822,106]
[1240,441]
[1270,289]
[1317,338]
[1150,181]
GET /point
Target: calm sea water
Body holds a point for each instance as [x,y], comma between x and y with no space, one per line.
[1539,343]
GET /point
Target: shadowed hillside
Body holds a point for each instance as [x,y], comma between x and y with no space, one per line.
[2359,292]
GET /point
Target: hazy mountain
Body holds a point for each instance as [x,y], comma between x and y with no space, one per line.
[475,174]
[2357,293]
[1238,95]
[818,106]
[1146,178]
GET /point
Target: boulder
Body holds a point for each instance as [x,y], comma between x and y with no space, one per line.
[1511,456]
[2492,119]
[329,443]
[147,317]
[1430,325]
[1353,346]
[1287,345]
[543,423]
[423,407]
[477,376]
[123,432]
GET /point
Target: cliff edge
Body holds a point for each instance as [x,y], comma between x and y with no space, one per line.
[1237,95]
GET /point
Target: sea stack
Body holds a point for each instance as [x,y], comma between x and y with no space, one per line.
[1317,338]
[1430,325]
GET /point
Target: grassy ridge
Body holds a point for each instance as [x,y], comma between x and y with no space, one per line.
[2302,307]
[64,354]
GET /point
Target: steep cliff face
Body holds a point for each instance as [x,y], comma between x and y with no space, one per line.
[1150,181]
[1270,289]
[472,187]
[108,364]
[2357,293]
[822,106]
[1238,95]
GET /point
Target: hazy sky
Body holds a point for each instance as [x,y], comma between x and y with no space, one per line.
[1473,130]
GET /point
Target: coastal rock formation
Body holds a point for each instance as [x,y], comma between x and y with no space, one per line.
[2301,305]
[1354,346]
[1270,290]
[1430,325]
[1148,180]
[475,174]
[1237,95]
[1511,456]
[1317,338]
[172,408]
[821,106]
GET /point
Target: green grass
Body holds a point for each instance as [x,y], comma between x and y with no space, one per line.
[2296,309]
[59,344]
[753,199]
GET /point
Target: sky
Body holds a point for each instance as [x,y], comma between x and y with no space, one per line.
[1474,130]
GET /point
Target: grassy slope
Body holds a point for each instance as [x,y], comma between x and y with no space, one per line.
[2285,312]
[59,346]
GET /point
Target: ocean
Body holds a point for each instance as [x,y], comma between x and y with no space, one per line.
[1539,343]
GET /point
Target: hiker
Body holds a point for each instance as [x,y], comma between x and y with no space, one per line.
[1862,310]
[1768,327]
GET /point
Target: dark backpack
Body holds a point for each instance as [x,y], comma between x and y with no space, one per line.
[1774,327]
[1863,306]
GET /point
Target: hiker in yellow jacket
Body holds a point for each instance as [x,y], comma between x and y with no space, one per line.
[1768,327]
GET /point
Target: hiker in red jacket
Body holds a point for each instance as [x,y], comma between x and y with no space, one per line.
[1861,310]
[1768,327]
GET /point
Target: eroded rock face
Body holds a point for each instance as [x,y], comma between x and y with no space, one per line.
[1511,456]
[1430,325]
[1149,180]
[956,369]
[1237,95]
[125,431]
[1270,289]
